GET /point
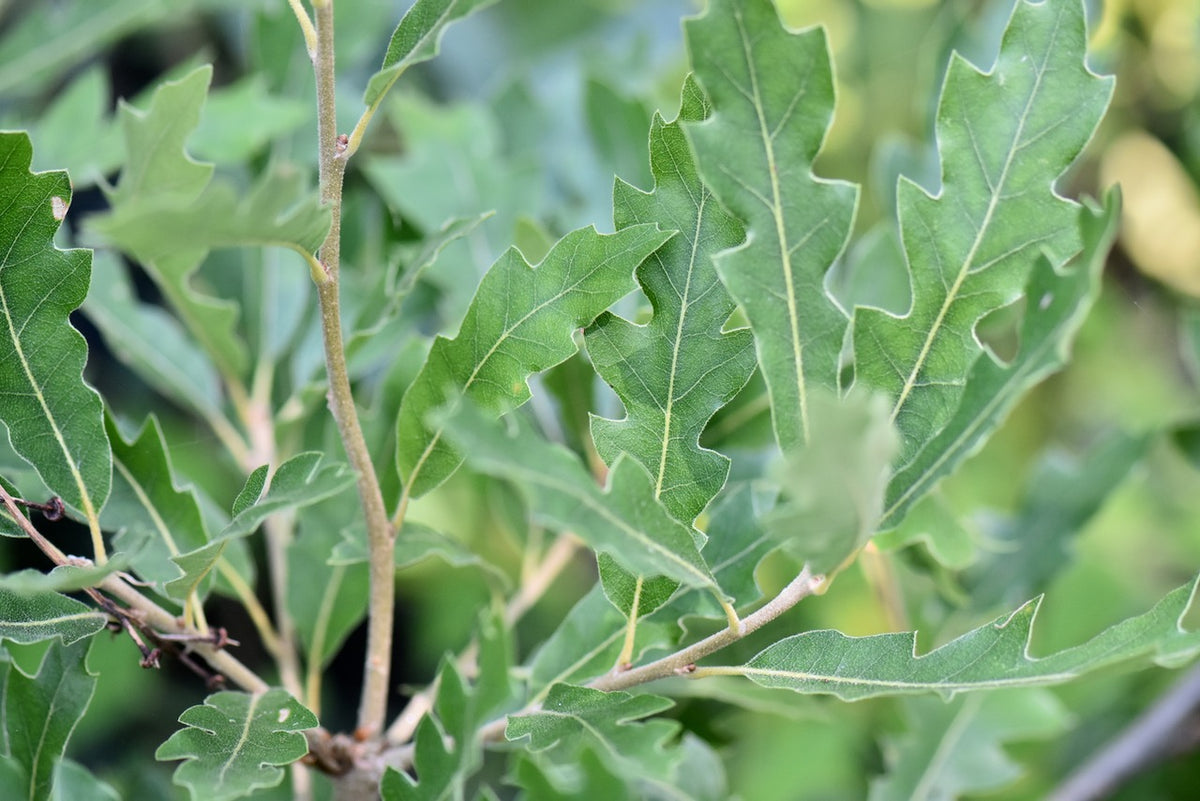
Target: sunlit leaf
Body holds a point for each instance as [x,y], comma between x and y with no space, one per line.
[991,657]
[520,323]
[54,419]
[1004,138]
[772,98]
[27,618]
[675,371]
[234,743]
[1057,303]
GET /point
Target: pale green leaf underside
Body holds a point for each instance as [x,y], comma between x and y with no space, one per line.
[625,521]
[26,618]
[417,38]
[772,96]
[1004,138]
[991,657]
[520,322]
[54,419]
[234,743]
[1057,303]
[674,372]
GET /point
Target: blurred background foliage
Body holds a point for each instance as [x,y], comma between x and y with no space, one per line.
[1087,494]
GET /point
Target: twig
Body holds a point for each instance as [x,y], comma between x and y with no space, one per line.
[1156,734]
[380,534]
[533,586]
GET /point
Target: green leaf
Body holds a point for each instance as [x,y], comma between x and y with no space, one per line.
[82,106]
[991,657]
[572,718]
[1004,139]
[63,578]
[158,173]
[1026,552]
[300,481]
[26,618]
[520,322]
[41,711]
[833,485]
[417,38]
[623,520]
[772,97]
[154,518]
[1057,305]
[276,211]
[591,779]
[241,119]
[73,782]
[54,419]
[587,642]
[673,373]
[234,743]
[953,749]
[150,341]
[326,601]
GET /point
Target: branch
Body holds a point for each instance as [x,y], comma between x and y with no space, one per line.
[1168,727]
[380,534]
[149,612]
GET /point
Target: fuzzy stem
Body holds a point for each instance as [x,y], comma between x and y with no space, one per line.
[380,538]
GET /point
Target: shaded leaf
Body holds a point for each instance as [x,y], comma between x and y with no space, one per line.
[154,518]
[241,119]
[300,481]
[63,578]
[40,712]
[54,419]
[990,657]
[520,322]
[325,600]
[772,98]
[234,743]
[1057,305]
[1004,138]
[623,520]
[73,782]
[82,106]
[674,372]
[588,779]
[27,618]
[572,718]
[417,38]
[953,749]
[149,341]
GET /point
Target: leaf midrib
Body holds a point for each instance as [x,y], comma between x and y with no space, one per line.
[964,269]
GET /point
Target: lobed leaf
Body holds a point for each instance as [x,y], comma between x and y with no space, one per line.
[674,372]
[27,618]
[572,718]
[1057,303]
[53,418]
[993,656]
[1004,139]
[772,99]
[624,521]
[40,713]
[417,38]
[520,322]
[300,481]
[234,743]
[154,519]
